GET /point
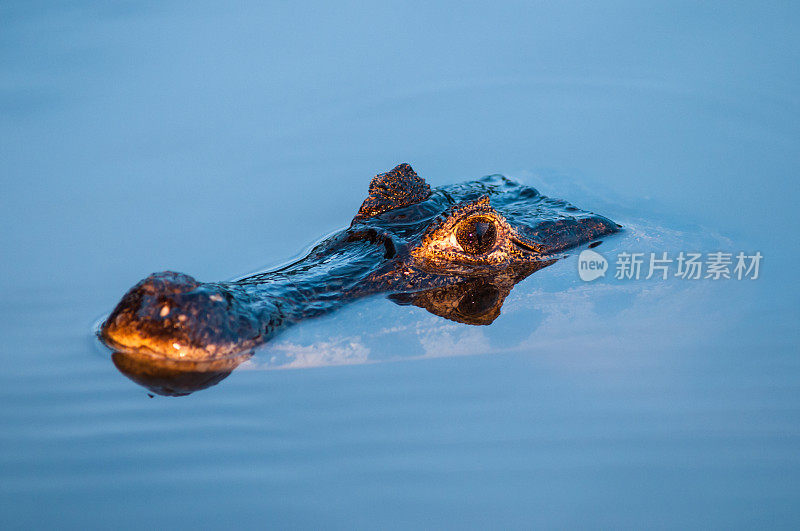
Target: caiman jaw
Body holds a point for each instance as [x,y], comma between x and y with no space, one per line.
[173,315]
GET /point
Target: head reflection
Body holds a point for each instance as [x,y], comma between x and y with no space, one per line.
[169,377]
[472,300]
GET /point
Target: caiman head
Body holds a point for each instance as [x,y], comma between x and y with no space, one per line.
[454,250]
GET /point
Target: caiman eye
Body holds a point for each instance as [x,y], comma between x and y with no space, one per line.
[476,235]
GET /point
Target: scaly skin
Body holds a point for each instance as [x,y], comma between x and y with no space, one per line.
[456,250]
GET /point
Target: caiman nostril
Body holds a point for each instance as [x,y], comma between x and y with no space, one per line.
[168,282]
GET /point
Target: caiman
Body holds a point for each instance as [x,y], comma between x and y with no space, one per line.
[455,250]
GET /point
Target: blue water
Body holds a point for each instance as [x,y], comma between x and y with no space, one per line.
[219,139]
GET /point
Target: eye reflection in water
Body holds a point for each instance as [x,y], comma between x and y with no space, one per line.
[474,300]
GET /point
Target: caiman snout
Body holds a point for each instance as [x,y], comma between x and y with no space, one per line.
[176,316]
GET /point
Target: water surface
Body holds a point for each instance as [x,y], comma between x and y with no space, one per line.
[217,141]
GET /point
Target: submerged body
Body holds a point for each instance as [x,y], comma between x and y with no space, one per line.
[455,250]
